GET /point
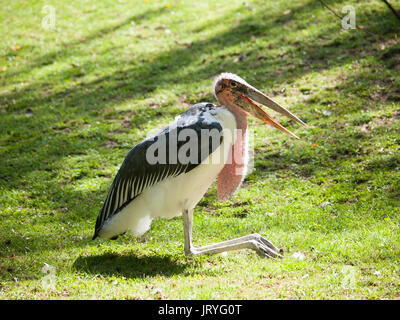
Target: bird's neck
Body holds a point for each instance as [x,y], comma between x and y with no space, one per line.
[232,174]
[241,120]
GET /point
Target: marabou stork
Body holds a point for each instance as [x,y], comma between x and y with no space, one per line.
[168,173]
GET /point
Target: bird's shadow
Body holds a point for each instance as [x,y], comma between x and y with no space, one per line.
[129,265]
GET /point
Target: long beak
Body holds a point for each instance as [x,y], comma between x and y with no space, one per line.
[250,107]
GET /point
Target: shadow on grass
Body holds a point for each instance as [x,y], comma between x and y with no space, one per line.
[69,48]
[129,265]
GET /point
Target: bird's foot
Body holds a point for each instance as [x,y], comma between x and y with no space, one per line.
[264,247]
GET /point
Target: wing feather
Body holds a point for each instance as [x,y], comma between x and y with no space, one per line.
[136,174]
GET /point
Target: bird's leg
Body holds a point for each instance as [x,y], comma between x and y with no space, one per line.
[187,231]
[252,241]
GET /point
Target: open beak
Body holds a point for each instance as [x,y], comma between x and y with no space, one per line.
[250,107]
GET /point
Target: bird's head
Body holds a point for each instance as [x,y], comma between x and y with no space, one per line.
[237,95]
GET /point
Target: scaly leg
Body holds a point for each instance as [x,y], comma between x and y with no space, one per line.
[252,241]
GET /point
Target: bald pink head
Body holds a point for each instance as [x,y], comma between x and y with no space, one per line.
[237,95]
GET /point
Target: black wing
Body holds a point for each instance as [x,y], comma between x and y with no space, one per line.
[137,173]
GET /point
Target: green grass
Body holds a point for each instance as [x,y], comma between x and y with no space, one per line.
[74,100]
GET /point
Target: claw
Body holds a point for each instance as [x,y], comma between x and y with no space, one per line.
[274,249]
[270,250]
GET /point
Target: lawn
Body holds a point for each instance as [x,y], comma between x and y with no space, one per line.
[83,81]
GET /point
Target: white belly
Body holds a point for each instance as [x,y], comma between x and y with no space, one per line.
[169,197]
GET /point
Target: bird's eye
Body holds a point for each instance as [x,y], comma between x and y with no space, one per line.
[233,84]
